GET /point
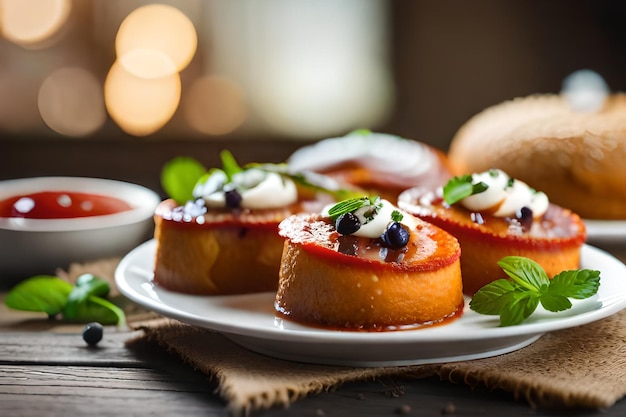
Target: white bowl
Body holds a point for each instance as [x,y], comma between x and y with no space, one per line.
[31,247]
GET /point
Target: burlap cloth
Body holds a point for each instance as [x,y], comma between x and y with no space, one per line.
[578,367]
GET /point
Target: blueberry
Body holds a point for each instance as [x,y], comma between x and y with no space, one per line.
[347,223]
[92,333]
[396,236]
[525,217]
[233,198]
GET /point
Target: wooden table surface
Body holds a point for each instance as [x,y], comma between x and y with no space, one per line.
[46,369]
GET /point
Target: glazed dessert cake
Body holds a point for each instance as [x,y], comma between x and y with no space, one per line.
[379,163]
[493,216]
[225,240]
[364,265]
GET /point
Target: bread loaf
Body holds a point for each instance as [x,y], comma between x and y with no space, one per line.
[577,158]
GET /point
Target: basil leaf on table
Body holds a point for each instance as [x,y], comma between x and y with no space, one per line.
[86,285]
[44,293]
[100,310]
[82,302]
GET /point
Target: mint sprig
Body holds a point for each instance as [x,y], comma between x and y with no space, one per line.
[83,302]
[516,298]
[179,176]
[351,205]
[396,216]
[229,164]
[460,187]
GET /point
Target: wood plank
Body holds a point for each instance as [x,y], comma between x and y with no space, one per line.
[71,390]
[159,384]
[65,349]
[67,391]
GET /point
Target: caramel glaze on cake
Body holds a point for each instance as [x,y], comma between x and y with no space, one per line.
[336,281]
[554,240]
[220,252]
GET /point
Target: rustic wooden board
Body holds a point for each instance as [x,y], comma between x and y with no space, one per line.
[45,373]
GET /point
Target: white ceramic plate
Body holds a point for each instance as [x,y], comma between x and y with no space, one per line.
[249,321]
[606,231]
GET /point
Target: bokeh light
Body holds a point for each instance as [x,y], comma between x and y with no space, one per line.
[585,90]
[71,102]
[30,23]
[215,105]
[151,33]
[140,106]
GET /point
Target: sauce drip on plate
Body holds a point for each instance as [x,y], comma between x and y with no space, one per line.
[61,205]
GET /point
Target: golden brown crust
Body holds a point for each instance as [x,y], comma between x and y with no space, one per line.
[576,158]
[230,255]
[320,286]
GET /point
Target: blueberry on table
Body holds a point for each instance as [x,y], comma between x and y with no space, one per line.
[92,333]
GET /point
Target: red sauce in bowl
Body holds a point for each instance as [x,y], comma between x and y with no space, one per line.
[61,205]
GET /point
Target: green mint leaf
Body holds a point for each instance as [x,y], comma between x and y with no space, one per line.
[516,298]
[494,298]
[578,284]
[86,285]
[506,299]
[361,132]
[100,310]
[522,305]
[460,187]
[229,164]
[348,206]
[396,216]
[554,302]
[42,293]
[457,189]
[179,177]
[525,272]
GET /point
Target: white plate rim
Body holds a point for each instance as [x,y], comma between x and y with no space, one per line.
[607,302]
[605,231]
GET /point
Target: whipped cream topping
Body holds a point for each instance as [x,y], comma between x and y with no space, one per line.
[257,188]
[504,196]
[407,160]
[374,226]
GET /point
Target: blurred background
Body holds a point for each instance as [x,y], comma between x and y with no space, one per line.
[116,88]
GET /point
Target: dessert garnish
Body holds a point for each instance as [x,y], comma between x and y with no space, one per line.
[460,187]
[252,186]
[496,193]
[370,217]
[516,298]
[392,156]
[83,302]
